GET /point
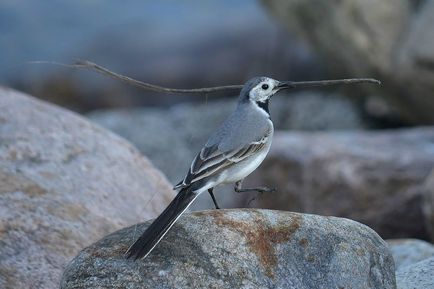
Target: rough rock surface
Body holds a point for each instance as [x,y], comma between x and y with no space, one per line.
[416,276]
[390,39]
[372,177]
[406,252]
[64,183]
[241,249]
[154,131]
[429,204]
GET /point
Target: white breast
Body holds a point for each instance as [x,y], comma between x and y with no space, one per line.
[245,168]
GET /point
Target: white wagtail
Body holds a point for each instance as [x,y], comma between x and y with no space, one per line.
[234,151]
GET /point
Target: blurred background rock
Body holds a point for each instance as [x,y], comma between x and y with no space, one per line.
[377,178]
[179,44]
[390,39]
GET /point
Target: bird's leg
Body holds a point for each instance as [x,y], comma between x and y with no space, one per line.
[210,191]
[238,188]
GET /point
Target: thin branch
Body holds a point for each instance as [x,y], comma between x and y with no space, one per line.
[85,64]
[303,84]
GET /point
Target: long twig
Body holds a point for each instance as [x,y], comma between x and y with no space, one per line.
[303,84]
[85,64]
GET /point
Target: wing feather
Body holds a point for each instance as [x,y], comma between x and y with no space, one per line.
[211,160]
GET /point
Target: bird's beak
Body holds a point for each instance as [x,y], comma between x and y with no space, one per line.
[304,84]
[284,85]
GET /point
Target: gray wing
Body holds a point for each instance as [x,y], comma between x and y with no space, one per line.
[243,134]
[212,160]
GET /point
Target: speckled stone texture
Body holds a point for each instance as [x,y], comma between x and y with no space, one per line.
[241,249]
[64,183]
[406,252]
[414,262]
[419,275]
[428,208]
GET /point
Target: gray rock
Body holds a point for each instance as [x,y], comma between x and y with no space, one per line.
[389,39]
[64,183]
[372,177]
[428,208]
[416,276]
[413,65]
[241,249]
[343,29]
[313,110]
[172,137]
[409,251]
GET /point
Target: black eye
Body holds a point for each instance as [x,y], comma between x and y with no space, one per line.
[264,86]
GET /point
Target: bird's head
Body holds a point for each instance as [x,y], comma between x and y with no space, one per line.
[259,90]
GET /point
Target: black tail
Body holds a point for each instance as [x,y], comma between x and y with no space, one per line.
[161,225]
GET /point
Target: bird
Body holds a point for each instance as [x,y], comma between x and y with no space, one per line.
[231,153]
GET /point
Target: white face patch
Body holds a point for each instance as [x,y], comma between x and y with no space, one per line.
[263,91]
